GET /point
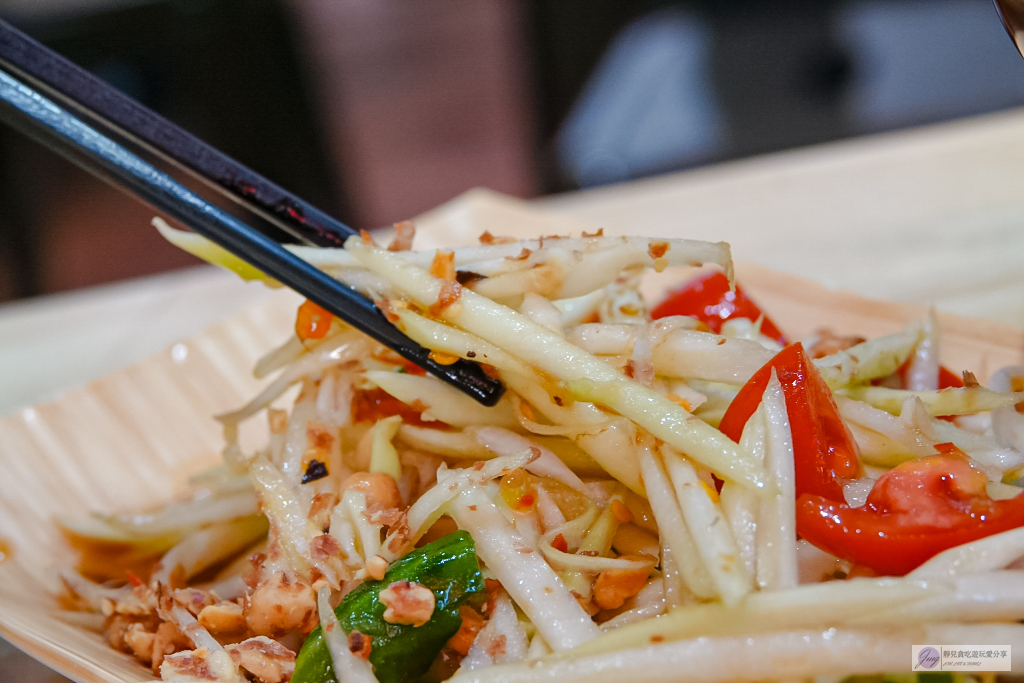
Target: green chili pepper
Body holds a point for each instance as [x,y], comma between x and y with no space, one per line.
[401,653]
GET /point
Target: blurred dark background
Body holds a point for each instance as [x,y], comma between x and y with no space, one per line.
[379,109]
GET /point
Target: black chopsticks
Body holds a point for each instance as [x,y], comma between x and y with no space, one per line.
[32,113]
[79,90]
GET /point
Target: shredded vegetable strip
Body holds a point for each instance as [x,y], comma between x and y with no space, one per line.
[770,656]
[529,580]
[593,526]
[710,531]
[776,527]
[675,535]
[552,354]
[348,668]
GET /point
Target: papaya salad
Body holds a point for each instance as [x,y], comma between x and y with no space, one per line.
[663,493]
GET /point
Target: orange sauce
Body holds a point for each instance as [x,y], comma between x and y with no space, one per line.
[6,551]
[375,404]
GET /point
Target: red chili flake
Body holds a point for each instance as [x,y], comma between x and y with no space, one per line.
[559,543]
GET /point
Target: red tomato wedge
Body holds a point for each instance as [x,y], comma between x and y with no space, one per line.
[824,451]
[947,379]
[914,511]
[709,299]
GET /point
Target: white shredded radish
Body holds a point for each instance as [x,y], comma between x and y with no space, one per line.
[709,528]
[208,547]
[594,261]
[703,355]
[589,563]
[814,605]
[1007,423]
[872,359]
[334,398]
[501,641]
[347,667]
[538,648]
[345,348]
[776,520]
[547,464]
[768,656]
[296,441]
[913,442]
[449,443]
[367,534]
[741,505]
[675,535]
[450,483]
[447,339]
[984,555]
[170,522]
[603,339]
[345,533]
[550,514]
[541,311]
[383,456]
[93,594]
[607,439]
[293,529]
[522,571]
[923,371]
[443,402]
[676,591]
[641,367]
[993,596]
[283,355]
[950,401]
[990,457]
[550,353]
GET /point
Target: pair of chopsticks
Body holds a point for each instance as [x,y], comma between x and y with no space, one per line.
[25,63]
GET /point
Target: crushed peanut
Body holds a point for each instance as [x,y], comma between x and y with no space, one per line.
[407,602]
[140,641]
[224,617]
[199,665]
[614,586]
[375,567]
[279,605]
[268,660]
[167,641]
[380,489]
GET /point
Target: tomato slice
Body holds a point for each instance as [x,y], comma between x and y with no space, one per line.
[709,299]
[914,511]
[312,321]
[824,451]
[948,379]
